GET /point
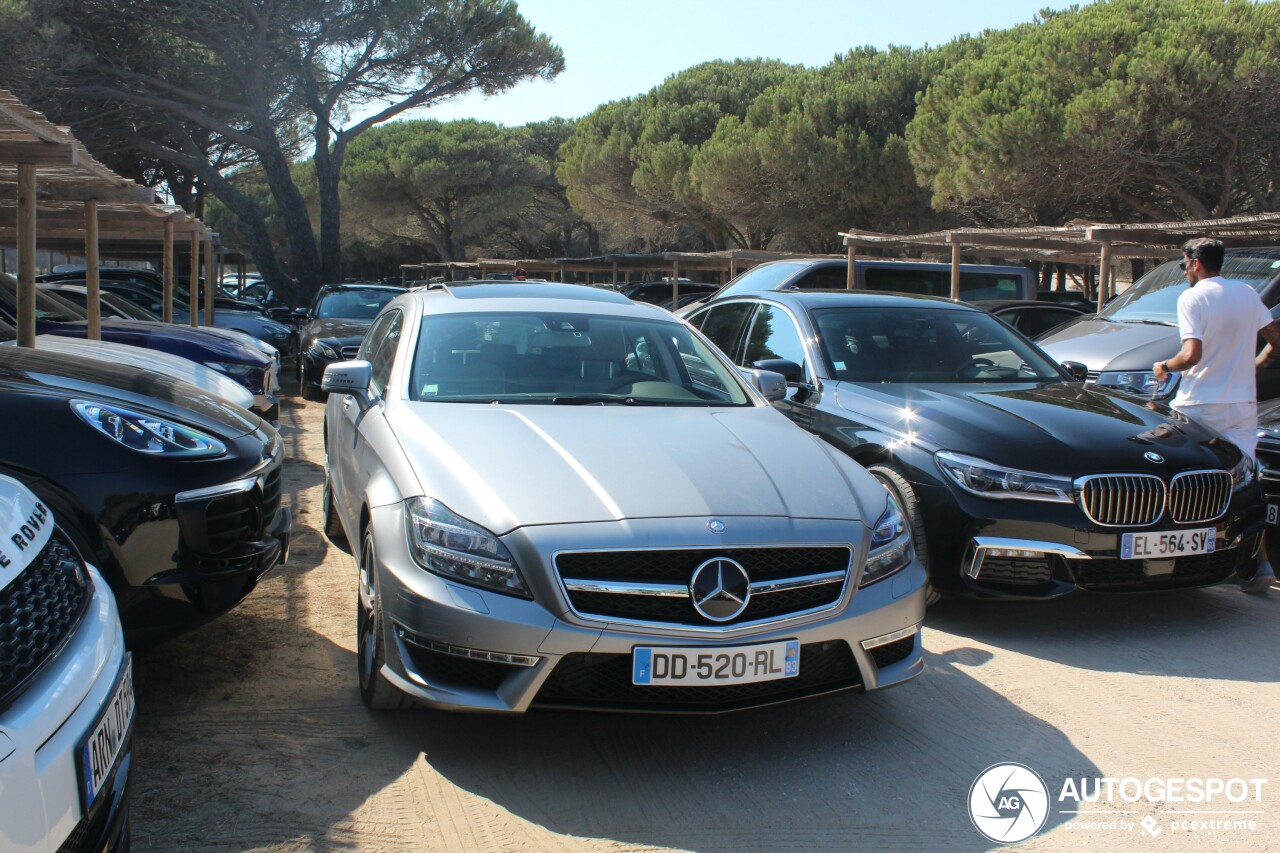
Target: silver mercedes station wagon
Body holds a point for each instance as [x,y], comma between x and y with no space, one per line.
[562,498]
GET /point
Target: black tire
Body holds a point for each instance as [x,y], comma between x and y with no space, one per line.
[906,497]
[308,391]
[332,525]
[377,693]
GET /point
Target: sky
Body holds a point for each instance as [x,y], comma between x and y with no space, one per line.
[615,49]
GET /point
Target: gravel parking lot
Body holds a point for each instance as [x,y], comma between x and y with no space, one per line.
[251,734]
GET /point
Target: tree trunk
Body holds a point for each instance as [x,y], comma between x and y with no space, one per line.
[297,222]
[328,164]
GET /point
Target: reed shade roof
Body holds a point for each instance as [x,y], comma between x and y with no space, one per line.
[74,203]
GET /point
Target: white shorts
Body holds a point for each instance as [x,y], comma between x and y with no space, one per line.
[1237,421]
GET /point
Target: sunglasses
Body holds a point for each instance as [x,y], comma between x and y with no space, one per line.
[1182,265]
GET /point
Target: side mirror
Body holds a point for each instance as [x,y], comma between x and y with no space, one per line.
[280,314]
[348,377]
[772,385]
[790,371]
[1077,371]
[301,312]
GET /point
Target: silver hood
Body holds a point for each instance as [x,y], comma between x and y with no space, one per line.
[509,466]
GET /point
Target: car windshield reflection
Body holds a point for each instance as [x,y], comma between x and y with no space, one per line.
[929,345]
[567,359]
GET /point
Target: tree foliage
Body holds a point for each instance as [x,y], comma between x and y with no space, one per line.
[629,161]
[1161,109]
[262,76]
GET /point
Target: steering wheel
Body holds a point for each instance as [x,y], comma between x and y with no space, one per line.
[963,370]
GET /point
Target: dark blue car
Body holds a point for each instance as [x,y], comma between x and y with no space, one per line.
[238,356]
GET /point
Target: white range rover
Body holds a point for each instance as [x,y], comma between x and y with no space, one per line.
[66,691]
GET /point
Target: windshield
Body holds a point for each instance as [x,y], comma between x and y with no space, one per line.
[48,306]
[568,359]
[927,345]
[763,277]
[1154,297]
[354,304]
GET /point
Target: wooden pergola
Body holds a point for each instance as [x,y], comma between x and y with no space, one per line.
[1081,243]
[54,194]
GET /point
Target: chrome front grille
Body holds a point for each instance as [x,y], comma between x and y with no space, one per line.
[1122,500]
[1199,496]
[1137,500]
[651,587]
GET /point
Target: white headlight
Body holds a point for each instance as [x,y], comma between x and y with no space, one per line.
[987,480]
[444,542]
[147,433]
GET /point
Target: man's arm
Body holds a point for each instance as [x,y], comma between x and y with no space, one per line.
[1271,334]
[1189,356]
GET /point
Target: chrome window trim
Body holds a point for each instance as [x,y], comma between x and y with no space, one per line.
[851,571]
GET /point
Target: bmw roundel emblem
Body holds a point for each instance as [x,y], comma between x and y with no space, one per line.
[1152,456]
[716,526]
[720,589]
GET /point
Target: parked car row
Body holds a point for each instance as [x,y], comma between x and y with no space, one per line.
[251,363]
[508,558]
[139,497]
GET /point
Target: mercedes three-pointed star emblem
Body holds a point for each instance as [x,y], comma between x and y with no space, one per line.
[720,589]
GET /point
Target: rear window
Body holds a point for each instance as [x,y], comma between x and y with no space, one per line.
[974,286]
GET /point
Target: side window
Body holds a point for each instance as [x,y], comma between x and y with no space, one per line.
[834,277]
[382,340]
[774,335]
[724,325]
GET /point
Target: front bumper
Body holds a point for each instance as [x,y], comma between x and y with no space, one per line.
[456,647]
[41,808]
[228,536]
[967,533]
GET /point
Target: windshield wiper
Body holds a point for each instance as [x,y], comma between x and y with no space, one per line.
[592,400]
[1150,322]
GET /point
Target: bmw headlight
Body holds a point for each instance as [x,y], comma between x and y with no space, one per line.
[320,349]
[445,543]
[984,479]
[1140,383]
[1244,472]
[891,549]
[146,433]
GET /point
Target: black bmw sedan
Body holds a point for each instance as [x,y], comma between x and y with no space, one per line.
[1020,480]
[172,493]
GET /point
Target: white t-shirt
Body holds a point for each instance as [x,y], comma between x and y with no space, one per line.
[1225,316]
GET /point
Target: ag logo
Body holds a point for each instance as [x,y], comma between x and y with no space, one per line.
[1008,803]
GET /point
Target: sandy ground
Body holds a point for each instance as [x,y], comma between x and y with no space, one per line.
[251,734]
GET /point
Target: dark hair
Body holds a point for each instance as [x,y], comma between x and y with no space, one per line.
[1207,251]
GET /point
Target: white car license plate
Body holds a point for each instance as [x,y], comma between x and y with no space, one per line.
[1172,543]
[1273,513]
[99,751]
[702,666]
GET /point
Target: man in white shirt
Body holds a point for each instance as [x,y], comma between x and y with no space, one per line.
[1219,320]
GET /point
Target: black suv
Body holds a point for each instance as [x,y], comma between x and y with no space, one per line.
[1140,327]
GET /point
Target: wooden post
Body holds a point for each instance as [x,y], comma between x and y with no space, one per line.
[1104,275]
[675,285]
[93,300]
[208,282]
[615,273]
[852,254]
[166,302]
[955,270]
[193,292]
[26,255]
[733,267]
